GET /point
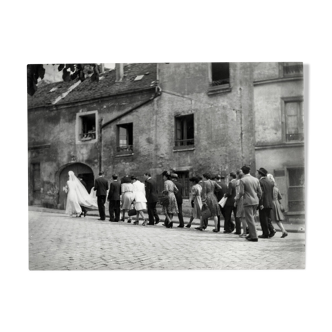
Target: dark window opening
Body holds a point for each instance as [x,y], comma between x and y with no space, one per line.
[125,138]
[292,69]
[184,131]
[36,183]
[220,73]
[88,127]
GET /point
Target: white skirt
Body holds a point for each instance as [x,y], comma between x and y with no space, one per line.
[139,206]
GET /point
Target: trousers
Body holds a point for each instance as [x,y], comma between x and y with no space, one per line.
[265,221]
[249,211]
[101,206]
[152,212]
[180,215]
[114,207]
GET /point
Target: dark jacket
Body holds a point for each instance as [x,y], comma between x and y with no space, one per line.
[231,193]
[267,193]
[115,191]
[220,193]
[101,186]
[178,195]
[151,192]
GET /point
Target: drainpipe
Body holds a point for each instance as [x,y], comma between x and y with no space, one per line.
[100,144]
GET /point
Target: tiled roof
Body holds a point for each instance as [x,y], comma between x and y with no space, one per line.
[87,89]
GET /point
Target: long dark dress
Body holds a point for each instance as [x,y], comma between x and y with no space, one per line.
[209,197]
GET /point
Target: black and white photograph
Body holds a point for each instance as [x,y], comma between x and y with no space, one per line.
[144,166]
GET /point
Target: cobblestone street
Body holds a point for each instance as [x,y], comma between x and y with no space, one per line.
[59,242]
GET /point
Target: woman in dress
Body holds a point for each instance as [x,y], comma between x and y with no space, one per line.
[239,204]
[127,191]
[77,196]
[276,214]
[209,199]
[139,199]
[169,189]
[196,200]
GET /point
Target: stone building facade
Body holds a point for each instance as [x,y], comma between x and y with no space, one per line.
[184,117]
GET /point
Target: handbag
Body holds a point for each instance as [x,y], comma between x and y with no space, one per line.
[164,200]
[222,202]
[132,212]
[206,213]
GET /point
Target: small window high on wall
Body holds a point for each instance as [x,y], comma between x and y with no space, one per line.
[125,138]
[86,127]
[219,73]
[184,131]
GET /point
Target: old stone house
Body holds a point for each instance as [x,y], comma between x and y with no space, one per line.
[184,117]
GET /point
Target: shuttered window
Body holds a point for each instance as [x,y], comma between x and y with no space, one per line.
[296,189]
[294,121]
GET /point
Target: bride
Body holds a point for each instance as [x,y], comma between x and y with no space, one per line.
[77,196]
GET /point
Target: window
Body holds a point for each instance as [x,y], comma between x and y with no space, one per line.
[294,121]
[86,125]
[292,69]
[125,138]
[36,183]
[219,73]
[184,131]
[296,189]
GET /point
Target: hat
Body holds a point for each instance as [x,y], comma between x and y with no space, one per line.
[262,171]
[174,176]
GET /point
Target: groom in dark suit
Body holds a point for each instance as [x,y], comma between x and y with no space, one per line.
[101,186]
[151,195]
[265,204]
[114,198]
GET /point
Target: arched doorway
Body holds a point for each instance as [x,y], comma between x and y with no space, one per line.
[79,169]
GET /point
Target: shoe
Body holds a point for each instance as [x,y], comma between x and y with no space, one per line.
[243,235]
[135,223]
[102,219]
[284,235]
[122,220]
[129,221]
[251,240]
[272,234]
[180,226]
[144,223]
[157,222]
[215,230]
[84,213]
[113,220]
[199,228]
[237,233]
[188,225]
[263,236]
[170,225]
[227,232]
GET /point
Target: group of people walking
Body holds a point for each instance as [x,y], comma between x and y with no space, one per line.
[210,197]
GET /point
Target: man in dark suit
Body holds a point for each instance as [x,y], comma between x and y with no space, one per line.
[151,194]
[220,179]
[101,186]
[178,197]
[265,204]
[84,210]
[114,199]
[229,207]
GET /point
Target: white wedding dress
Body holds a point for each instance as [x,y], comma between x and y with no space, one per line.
[78,196]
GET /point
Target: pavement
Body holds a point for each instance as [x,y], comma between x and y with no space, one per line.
[60,242]
[288,226]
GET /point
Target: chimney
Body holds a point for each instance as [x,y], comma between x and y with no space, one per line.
[119,72]
[102,68]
